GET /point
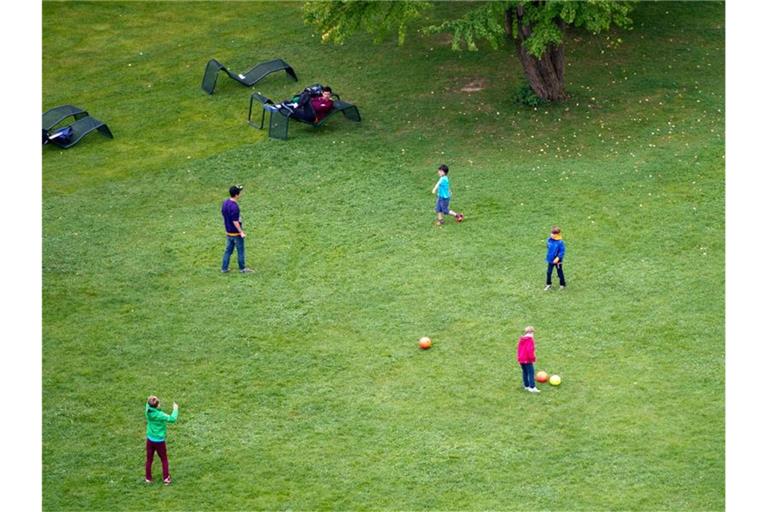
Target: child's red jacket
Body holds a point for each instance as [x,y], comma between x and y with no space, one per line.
[526,350]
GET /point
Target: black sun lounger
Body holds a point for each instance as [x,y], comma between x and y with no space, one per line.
[58,114]
[77,130]
[249,78]
[279,115]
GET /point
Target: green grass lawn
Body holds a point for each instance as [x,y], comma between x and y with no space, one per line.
[301,386]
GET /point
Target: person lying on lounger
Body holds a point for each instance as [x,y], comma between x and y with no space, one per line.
[312,107]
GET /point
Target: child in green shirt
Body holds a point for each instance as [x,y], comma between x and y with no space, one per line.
[157,422]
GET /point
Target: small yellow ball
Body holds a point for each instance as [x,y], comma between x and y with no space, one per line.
[554,380]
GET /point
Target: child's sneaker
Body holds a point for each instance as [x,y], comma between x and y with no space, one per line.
[547,287]
[440,222]
[562,287]
[146,481]
[534,390]
[459,217]
[167,481]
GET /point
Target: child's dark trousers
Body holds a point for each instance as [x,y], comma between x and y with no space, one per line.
[560,275]
[153,447]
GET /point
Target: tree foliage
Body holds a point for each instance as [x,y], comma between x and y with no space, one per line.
[337,19]
[536,26]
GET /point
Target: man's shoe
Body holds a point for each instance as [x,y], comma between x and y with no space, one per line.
[547,287]
[147,481]
[246,270]
[224,271]
[562,287]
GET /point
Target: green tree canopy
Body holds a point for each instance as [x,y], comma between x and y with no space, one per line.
[536,26]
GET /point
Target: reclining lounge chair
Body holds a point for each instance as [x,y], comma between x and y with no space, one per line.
[249,78]
[69,135]
[58,114]
[279,115]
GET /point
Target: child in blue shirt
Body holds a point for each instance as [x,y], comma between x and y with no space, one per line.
[555,255]
[443,190]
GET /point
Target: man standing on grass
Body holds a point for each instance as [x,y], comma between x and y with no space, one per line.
[233,225]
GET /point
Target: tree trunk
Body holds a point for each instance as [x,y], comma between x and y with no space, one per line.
[545,74]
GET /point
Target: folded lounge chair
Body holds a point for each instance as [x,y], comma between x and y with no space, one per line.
[249,78]
[279,115]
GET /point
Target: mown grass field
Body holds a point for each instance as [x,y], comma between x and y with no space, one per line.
[301,386]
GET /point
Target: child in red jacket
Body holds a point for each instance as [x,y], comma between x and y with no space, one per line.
[526,356]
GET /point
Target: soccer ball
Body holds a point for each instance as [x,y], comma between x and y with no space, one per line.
[425,343]
[554,380]
[541,376]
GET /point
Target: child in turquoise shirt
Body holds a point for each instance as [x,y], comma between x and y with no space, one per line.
[443,190]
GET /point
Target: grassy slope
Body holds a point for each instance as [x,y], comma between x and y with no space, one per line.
[301,386]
